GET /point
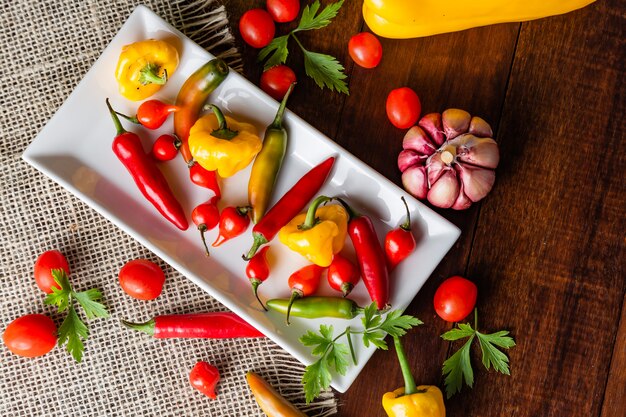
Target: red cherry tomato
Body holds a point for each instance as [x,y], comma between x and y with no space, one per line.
[165,148]
[455,298]
[277,80]
[204,377]
[45,263]
[257,28]
[142,279]
[403,107]
[343,275]
[365,49]
[283,10]
[31,335]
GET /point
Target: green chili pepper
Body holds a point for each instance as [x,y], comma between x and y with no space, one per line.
[317,307]
[267,163]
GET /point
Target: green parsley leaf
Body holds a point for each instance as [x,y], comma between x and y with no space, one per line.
[396,324]
[87,300]
[458,367]
[337,358]
[60,297]
[316,378]
[371,318]
[325,70]
[491,355]
[464,330]
[73,331]
[309,20]
[377,338]
[276,50]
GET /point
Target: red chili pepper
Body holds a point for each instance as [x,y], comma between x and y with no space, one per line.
[203,178]
[343,275]
[233,222]
[204,377]
[303,282]
[292,203]
[165,148]
[149,179]
[400,242]
[215,325]
[151,114]
[257,271]
[370,255]
[206,216]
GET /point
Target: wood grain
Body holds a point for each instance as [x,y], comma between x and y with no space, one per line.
[615,395]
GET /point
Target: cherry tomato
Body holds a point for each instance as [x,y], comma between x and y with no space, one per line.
[257,28]
[142,279]
[365,49]
[165,148]
[283,10]
[276,81]
[45,263]
[31,335]
[455,298]
[204,377]
[343,275]
[403,107]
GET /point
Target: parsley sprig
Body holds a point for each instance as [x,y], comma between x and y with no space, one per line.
[73,330]
[332,353]
[325,70]
[458,367]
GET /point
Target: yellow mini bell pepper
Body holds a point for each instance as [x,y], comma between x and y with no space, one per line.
[220,143]
[401,19]
[319,233]
[144,67]
[412,401]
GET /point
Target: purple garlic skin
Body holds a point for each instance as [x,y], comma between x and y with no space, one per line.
[449,159]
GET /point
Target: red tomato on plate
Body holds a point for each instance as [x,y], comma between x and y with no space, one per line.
[455,298]
[283,10]
[31,335]
[45,263]
[257,28]
[403,107]
[276,81]
[142,279]
[365,49]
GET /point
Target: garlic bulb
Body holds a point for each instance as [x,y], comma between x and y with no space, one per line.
[449,158]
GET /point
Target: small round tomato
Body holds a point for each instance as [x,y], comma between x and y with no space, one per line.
[455,298]
[403,107]
[45,263]
[31,335]
[365,49]
[283,10]
[165,147]
[142,279]
[276,81]
[204,377]
[257,28]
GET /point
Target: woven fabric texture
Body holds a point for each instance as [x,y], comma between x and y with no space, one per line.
[46,47]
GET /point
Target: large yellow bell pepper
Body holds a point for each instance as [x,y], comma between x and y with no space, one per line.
[319,233]
[143,67]
[401,19]
[220,143]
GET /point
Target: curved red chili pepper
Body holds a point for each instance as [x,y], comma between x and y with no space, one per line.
[257,271]
[304,282]
[370,255]
[204,178]
[400,242]
[206,216]
[233,222]
[215,325]
[204,377]
[343,275]
[149,179]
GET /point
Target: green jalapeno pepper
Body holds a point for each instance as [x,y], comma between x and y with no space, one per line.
[317,307]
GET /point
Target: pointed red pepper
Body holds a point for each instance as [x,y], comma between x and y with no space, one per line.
[257,271]
[400,242]
[206,216]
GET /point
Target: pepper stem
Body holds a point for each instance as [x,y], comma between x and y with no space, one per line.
[222,132]
[295,294]
[259,240]
[409,381]
[255,287]
[147,327]
[346,288]
[150,75]
[116,120]
[309,221]
[130,119]
[278,120]
[202,228]
[407,224]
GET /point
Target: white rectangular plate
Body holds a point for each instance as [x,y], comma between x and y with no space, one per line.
[74,149]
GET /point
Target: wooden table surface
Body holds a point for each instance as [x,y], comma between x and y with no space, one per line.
[546,247]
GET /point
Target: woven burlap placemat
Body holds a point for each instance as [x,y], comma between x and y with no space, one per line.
[46,47]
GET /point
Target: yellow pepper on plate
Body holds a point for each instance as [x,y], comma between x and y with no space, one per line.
[319,233]
[144,67]
[220,143]
[402,19]
[411,400]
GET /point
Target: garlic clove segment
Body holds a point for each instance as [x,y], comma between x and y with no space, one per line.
[482,152]
[431,123]
[417,140]
[415,181]
[444,192]
[480,127]
[462,201]
[455,122]
[477,182]
[408,157]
